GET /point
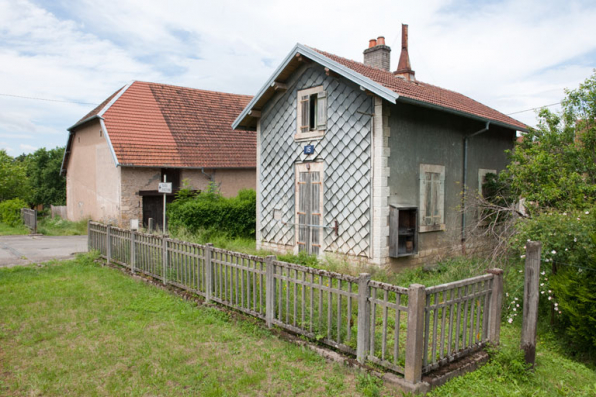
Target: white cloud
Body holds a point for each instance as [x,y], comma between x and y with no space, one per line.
[27,148]
[511,55]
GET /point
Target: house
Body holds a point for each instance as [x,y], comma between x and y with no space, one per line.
[356,159]
[118,153]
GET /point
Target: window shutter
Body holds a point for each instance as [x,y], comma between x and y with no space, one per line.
[304,116]
[322,110]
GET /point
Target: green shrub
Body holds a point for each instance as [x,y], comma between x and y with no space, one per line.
[236,216]
[569,247]
[10,211]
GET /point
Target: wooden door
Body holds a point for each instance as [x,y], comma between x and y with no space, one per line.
[309,211]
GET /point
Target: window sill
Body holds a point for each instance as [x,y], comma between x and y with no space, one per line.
[306,136]
[432,228]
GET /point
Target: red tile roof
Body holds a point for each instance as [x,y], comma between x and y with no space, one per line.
[427,93]
[160,125]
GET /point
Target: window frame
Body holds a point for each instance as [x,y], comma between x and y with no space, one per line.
[318,132]
[482,172]
[437,169]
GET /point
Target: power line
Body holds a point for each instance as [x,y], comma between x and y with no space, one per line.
[539,107]
[48,100]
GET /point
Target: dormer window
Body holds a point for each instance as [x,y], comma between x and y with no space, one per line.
[312,113]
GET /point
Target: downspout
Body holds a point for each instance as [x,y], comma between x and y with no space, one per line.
[465,185]
[210,176]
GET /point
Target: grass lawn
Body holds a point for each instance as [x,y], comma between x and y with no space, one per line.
[6,230]
[75,328]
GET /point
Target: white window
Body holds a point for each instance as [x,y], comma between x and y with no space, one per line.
[432,197]
[312,113]
[482,172]
[309,208]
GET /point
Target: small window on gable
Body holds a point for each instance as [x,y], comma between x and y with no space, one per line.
[432,197]
[312,113]
[100,133]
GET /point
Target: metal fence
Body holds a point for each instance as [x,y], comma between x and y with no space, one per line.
[29,218]
[410,331]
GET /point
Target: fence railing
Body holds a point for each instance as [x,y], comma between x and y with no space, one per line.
[410,331]
[29,218]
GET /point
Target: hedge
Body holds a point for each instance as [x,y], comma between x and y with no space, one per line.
[235,216]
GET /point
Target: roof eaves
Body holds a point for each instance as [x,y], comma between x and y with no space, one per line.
[460,113]
[105,131]
[321,59]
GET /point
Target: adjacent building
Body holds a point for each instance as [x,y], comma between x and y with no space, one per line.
[118,153]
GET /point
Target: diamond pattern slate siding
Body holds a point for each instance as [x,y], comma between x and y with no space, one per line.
[345,151]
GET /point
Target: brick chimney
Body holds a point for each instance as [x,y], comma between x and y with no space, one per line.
[404,69]
[378,54]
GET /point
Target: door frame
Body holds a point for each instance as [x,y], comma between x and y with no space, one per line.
[309,167]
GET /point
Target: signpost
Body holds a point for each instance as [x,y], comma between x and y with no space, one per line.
[164,187]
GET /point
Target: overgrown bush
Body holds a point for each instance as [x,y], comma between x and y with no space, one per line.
[10,211]
[236,216]
[569,248]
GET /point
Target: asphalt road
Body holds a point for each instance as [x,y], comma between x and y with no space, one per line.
[22,250]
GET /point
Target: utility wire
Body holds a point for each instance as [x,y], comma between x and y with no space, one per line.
[529,110]
[48,100]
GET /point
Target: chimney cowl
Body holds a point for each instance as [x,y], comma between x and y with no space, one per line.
[372,43]
[381,40]
[404,68]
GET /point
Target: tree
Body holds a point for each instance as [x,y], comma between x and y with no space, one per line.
[47,186]
[13,177]
[554,166]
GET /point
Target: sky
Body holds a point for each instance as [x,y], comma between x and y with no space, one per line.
[71,55]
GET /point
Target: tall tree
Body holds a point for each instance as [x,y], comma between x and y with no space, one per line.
[13,177]
[554,166]
[47,186]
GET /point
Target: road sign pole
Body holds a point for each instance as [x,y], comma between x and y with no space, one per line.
[164,207]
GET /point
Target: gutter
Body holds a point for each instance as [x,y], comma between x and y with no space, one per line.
[465,184]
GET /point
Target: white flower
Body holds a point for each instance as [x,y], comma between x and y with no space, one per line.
[515,298]
[515,314]
[587,212]
[542,292]
[575,240]
[510,320]
[543,273]
[520,271]
[549,291]
[506,293]
[546,279]
[564,213]
[542,284]
[559,312]
[522,256]
[517,305]
[553,252]
[550,297]
[566,249]
[514,309]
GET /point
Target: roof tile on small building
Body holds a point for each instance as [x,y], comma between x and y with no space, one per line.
[158,125]
[419,91]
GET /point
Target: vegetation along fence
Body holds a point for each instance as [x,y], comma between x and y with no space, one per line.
[29,217]
[410,331]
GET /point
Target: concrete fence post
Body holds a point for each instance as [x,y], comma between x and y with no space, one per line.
[531,297]
[133,250]
[496,306]
[415,334]
[34,221]
[269,290]
[108,243]
[363,337]
[89,235]
[150,225]
[164,260]
[208,273]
